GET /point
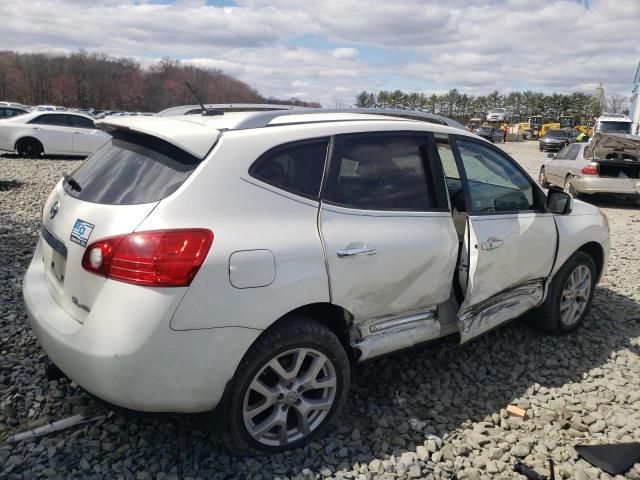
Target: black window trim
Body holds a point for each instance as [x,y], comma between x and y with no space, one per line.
[434,176]
[283,146]
[537,192]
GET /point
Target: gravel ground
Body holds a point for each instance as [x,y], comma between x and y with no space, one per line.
[580,388]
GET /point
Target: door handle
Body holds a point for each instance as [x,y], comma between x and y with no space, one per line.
[37,129]
[491,244]
[78,133]
[353,252]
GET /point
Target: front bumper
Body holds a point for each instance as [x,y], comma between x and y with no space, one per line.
[555,147]
[618,186]
[126,353]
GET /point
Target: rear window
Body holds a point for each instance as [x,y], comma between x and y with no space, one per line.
[132,169]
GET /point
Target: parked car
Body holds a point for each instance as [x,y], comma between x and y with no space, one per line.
[238,264]
[8,112]
[52,133]
[556,139]
[499,115]
[492,134]
[608,164]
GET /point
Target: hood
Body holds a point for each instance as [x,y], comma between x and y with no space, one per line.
[605,144]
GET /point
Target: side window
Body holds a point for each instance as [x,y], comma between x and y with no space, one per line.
[39,120]
[296,167]
[561,155]
[53,119]
[80,122]
[495,183]
[382,172]
[572,152]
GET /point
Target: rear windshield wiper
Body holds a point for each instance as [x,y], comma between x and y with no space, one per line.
[72,182]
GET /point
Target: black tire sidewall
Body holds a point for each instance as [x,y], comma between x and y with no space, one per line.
[554,296]
[37,147]
[271,345]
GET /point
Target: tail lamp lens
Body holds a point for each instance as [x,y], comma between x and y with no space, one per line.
[590,170]
[160,258]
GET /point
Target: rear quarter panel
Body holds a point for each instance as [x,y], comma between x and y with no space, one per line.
[245,215]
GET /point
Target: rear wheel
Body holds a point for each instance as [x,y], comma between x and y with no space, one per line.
[542,179]
[569,188]
[570,295]
[29,148]
[292,382]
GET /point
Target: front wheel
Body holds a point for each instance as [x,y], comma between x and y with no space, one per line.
[570,295]
[527,135]
[290,385]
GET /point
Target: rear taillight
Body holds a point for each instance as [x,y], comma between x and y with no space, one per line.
[590,170]
[159,258]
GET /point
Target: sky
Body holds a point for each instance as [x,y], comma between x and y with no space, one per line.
[328,51]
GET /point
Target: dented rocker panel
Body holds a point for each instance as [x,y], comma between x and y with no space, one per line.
[506,305]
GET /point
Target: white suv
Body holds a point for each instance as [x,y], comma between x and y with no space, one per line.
[239,263]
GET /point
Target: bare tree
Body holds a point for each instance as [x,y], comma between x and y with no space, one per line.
[617,103]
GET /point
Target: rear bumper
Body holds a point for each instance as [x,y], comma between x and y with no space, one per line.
[126,354]
[620,186]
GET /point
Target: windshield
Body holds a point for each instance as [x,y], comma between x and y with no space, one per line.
[613,127]
[498,110]
[557,134]
[131,169]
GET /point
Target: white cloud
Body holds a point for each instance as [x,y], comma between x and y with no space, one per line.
[473,45]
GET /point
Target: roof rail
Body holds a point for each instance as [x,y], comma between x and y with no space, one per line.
[262,119]
[223,107]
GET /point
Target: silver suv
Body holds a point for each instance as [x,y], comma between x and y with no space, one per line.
[240,263]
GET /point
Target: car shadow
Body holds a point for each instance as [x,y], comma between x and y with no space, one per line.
[443,384]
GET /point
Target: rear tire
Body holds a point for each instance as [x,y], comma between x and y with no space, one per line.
[542,179]
[569,188]
[569,297]
[29,148]
[293,406]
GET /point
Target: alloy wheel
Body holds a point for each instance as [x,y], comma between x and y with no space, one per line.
[289,397]
[575,295]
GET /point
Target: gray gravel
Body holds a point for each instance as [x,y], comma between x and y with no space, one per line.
[434,412]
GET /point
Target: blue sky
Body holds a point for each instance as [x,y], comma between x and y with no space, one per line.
[328,51]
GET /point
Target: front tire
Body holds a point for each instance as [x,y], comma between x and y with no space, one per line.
[540,149]
[569,297]
[527,135]
[288,388]
[29,148]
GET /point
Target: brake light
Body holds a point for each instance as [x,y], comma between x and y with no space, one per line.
[590,170]
[158,258]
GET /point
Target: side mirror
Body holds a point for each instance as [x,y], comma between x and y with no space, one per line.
[559,202]
[551,155]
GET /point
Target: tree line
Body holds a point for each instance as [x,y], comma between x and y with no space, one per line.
[92,80]
[462,106]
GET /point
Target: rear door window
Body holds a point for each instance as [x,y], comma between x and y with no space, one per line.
[295,167]
[80,122]
[55,119]
[132,169]
[381,172]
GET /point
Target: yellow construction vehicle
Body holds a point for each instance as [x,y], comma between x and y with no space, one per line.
[572,121]
[474,123]
[531,128]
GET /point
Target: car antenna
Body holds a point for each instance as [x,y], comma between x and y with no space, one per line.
[205,111]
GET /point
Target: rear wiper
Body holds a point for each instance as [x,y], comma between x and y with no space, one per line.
[72,182]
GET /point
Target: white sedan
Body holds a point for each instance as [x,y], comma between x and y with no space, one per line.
[53,133]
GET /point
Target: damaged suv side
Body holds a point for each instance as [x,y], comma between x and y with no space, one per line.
[268,251]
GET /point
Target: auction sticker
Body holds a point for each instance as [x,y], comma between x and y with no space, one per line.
[81,232]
